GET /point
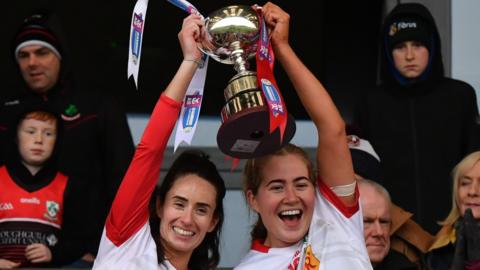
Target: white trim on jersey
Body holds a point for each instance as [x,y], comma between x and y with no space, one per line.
[270,258]
[30,220]
[335,238]
[138,252]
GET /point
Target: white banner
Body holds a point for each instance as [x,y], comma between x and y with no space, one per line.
[136,35]
[188,119]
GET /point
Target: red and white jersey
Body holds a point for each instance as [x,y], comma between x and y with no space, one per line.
[126,240]
[138,252]
[334,241]
[265,258]
[29,217]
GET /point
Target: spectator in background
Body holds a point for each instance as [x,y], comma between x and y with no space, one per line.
[457,244]
[97,144]
[42,213]
[420,122]
[393,240]
[377,220]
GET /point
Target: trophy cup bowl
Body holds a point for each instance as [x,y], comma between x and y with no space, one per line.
[232,35]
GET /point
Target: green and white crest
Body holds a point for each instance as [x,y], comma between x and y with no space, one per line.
[52,210]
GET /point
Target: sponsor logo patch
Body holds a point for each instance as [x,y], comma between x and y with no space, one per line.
[398,26]
[6,206]
[71,113]
[137,26]
[52,240]
[192,111]
[32,200]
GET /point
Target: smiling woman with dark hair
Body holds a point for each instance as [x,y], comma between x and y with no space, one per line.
[190,163]
[182,230]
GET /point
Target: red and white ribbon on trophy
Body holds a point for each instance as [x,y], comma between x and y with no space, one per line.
[266,81]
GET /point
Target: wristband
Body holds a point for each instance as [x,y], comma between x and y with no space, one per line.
[344,190]
[193,60]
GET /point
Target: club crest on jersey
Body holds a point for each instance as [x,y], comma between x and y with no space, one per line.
[52,210]
[192,111]
[71,113]
[311,262]
[137,30]
[273,98]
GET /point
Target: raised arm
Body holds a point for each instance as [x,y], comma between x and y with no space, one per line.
[190,34]
[130,208]
[333,156]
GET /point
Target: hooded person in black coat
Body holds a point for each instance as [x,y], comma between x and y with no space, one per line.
[97,145]
[420,122]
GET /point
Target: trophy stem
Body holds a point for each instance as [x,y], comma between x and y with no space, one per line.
[237,55]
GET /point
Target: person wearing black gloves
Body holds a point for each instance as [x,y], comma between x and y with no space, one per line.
[420,122]
[97,144]
[457,244]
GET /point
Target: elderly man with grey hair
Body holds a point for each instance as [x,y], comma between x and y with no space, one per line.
[392,238]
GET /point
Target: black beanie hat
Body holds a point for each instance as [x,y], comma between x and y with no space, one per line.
[409,29]
[34,31]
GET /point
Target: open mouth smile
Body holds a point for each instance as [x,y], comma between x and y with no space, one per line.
[290,215]
[182,232]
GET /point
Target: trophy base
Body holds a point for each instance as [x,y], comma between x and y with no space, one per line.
[246,135]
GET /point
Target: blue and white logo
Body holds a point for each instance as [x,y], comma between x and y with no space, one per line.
[137,26]
[263,50]
[273,98]
[192,111]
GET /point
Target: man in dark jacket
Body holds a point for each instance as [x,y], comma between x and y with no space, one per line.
[97,143]
[420,122]
[393,240]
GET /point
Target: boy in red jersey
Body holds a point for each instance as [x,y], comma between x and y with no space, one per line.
[38,205]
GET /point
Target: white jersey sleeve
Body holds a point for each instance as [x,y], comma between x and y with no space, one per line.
[126,240]
[335,239]
[138,252]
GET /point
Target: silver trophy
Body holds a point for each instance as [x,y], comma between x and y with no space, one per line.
[232,35]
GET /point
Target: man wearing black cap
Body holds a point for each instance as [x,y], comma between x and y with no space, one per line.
[38,57]
[420,122]
[97,144]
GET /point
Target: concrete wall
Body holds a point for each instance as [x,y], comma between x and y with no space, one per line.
[466,42]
